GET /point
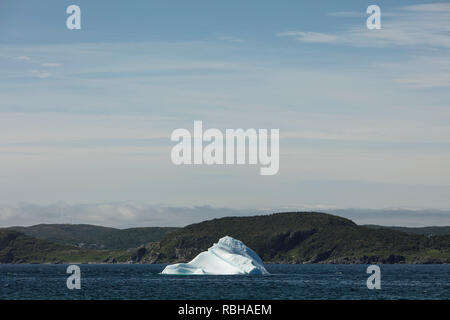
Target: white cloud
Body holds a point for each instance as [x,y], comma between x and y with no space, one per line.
[347,14]
[429,7]
[230,39]
[406,217]
[118,214]
[377,127]
[425,25]
[51,65]
[422,72]
[132,214]
[24,58]
[313,37]
[41,74]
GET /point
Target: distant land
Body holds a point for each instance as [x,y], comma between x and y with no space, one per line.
[16,247]
[94,237]
[294,237]
[428,231]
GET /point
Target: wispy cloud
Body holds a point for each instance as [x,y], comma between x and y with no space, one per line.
[230,39]
[24,58]
[421,72]
[363,120]
[36,63]
[416,25]
[313,37]
[429,7]
[51,65]
[41,74]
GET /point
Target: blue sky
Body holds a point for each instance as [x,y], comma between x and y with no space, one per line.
[172,20]
[364,115]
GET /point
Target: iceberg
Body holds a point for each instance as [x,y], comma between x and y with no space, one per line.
[227,256]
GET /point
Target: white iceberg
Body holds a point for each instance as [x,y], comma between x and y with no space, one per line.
[228,256]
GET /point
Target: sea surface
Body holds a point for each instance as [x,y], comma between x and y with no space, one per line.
[110,281]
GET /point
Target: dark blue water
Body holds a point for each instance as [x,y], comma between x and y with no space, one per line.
[284,282]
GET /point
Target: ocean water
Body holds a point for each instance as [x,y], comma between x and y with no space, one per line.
[284,282]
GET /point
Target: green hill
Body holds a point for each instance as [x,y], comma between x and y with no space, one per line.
[94,237]
[16,247]
[295,237]
[300,237]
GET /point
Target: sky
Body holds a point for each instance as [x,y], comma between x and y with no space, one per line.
[86,115]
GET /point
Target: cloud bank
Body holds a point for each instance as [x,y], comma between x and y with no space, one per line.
[132,214]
